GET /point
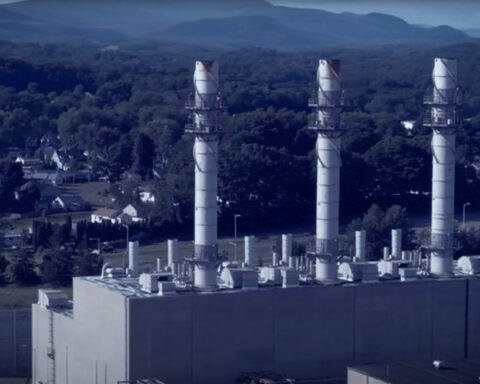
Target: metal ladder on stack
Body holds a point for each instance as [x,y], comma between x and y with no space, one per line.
[51,349]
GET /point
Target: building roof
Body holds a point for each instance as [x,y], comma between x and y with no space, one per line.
[107,212]
[142,210]
[465,372]
[71,199]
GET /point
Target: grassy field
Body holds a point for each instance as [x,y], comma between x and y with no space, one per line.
[13,297]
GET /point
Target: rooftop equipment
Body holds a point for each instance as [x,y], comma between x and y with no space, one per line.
[444,117]
[287,246]
[250,250]
[326,123]
[205,108]
[360,245]
[396,244]
[133,248]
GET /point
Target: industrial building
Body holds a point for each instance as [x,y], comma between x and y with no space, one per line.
[438,372]
[209,320]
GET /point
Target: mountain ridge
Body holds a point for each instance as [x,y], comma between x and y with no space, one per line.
[193,21]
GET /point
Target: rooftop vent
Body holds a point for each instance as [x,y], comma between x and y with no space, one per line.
[469,265]
[150,282]
[52,298]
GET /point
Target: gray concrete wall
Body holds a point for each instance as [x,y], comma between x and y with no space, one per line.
[302,332]
[90,347]
[473,319]
[15,343]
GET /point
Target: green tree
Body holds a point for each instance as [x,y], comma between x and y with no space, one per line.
[87,263]
[378,225]
[143,155]
[11,177]
[57,266]
[21,269]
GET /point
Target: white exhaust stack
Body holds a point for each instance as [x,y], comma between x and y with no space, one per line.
[360,245]
[250,250]
[172,260]
[444,119]
[326,123]
[396,244]
[287,246]
[133,247]
[205,109]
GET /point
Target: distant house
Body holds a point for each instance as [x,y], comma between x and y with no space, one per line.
[59,158]
[13,152]
[134,213]
[43,203]
[13,238]
[68,203]
[45,176]
[409,126]
[29,162]
[105,214]
[147,197]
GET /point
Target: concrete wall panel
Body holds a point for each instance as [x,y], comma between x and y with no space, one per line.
[15,342]
[448,321]
[473,325]
[313,330]
[392,322]
[232,333]
[160,339]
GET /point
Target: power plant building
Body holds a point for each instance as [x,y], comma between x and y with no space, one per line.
[207,320]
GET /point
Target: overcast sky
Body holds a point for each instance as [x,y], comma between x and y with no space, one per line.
[457,13]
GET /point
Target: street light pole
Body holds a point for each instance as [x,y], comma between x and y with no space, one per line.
[463,218]
[126,247]
[235,234]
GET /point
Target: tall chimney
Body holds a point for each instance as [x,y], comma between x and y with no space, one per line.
[205,109]
[444,118]
[326,122]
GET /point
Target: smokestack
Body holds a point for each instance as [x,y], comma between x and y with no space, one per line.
[172,246]
[287,245]
[327,109]
[360,245]
[444,118]
[205,109]
[133,247]
[396,244]
[250,250]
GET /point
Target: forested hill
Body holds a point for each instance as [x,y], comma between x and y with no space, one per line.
[226,24]
[112,103]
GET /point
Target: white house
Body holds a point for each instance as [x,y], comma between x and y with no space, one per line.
[134,213]
[105,214]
